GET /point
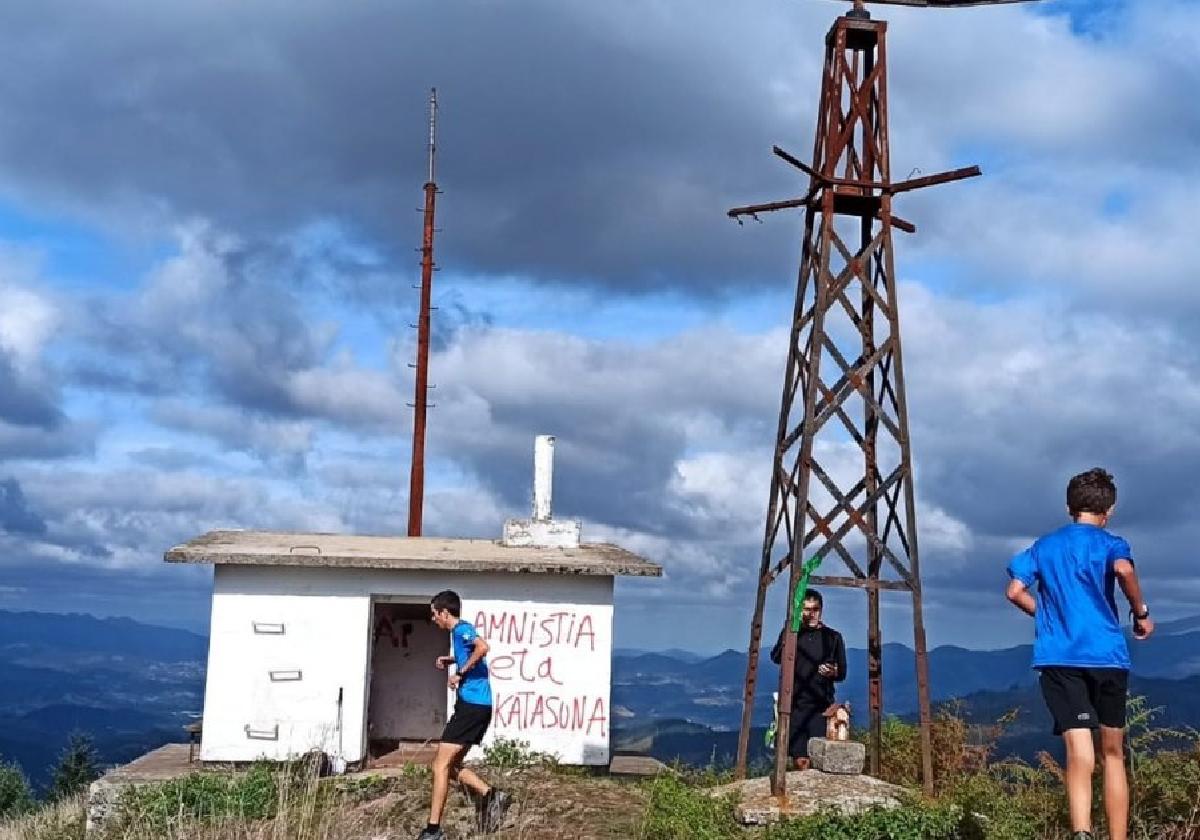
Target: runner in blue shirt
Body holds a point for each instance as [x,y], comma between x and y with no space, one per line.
[469,723]
[1079,646]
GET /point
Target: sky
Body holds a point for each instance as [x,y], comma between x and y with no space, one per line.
[207,261]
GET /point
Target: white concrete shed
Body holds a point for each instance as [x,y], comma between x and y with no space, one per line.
[323,641]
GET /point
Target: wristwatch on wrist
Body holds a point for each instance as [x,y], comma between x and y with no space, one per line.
[1143,615]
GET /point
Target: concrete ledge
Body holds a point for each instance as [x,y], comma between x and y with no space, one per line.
[271,548]
[160,765]
[636,765]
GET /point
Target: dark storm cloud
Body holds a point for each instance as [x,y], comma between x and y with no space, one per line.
[167,458]
[24,403]
[32,443]
[1012,399]
[223,343]
[33,422]
[615,471]
[577,140]
[174,596]
[16,516]
[580,141]
[625,414]
[221,311]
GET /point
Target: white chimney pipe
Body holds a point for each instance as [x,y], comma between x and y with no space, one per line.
[542,531]
[543,477]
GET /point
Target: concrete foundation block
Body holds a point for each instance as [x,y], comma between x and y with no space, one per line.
[808,791]
[549,533]
[843,758]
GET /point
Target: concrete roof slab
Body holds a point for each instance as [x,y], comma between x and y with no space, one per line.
[274,548]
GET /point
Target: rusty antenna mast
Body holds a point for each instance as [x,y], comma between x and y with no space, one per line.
[844,384]
[420,404]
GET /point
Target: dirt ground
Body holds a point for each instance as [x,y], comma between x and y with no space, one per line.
[549,805]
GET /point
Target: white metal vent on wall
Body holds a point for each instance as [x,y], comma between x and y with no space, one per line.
[268,628]
[262,733]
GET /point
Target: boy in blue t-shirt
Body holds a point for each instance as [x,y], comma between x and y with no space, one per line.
[1079,646]
[469,723]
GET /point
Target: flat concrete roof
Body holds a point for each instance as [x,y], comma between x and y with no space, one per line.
[271,548]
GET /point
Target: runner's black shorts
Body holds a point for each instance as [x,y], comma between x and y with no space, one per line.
[807,722]
[468,724]
[1085,698]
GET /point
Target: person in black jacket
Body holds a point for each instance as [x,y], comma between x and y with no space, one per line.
[820,663]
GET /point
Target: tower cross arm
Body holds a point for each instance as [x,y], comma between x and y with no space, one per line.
[821,182]
[933,180]
[768,207]
[752,210]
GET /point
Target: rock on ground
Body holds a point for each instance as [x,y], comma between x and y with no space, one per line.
[808,792]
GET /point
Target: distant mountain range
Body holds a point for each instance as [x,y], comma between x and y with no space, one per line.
[130,685]
[709,691]
[134,686]
[691,710]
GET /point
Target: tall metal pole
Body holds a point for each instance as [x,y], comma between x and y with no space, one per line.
[416,477]
[875,158]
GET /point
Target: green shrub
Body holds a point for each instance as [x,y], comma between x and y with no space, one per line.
[205,797]
[77,767]
[16,797]
[359,789]
[677,811]
[710,775]
[61,820]
[901,758]
[1009,801]
[506,754]
[915,821]
[416,773]
[1165,795]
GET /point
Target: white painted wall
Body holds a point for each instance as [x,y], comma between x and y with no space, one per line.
[551,640]
[551,673]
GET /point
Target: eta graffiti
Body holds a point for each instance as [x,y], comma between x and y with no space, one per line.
[519,665]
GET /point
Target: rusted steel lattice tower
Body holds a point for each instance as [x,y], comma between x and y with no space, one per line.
[420,404]
[842,479]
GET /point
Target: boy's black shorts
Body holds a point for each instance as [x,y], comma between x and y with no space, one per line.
[1085,698]
[807,722]
[468,724]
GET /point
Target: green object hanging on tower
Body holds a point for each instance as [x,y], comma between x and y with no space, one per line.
[810,565]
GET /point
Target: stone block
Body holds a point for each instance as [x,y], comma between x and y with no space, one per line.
[102,802]
[759,813]
[843,758]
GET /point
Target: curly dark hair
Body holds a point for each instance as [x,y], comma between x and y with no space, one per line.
[449,601]
[1091,492]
